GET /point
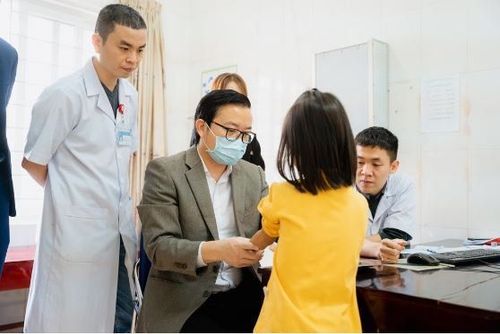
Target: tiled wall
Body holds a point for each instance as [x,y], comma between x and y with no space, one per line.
[273,44]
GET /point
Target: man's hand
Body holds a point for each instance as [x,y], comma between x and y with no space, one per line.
[37,172]
[390,250]
[239,252]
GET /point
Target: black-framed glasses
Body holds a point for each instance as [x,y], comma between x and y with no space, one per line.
[234,134]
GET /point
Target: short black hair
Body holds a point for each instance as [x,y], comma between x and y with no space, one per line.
[377,136]
[253,154]
[317,150]
[210,104]
[117,14]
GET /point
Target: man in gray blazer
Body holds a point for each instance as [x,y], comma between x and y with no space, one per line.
[198,211]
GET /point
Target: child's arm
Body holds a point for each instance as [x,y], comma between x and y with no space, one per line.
[261,239]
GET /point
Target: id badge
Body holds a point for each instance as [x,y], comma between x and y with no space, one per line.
[123,130]
[124,137]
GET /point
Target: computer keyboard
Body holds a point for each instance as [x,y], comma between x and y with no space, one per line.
[466,256]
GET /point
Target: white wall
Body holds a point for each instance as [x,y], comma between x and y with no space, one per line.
[41,31]
[273,44]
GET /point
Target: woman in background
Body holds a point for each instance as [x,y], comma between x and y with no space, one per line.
[235,82]
[320,220]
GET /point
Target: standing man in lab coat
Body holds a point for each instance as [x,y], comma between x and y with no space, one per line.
[80,141]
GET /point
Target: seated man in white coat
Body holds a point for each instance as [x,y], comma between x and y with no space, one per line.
[391,196]
[80,141]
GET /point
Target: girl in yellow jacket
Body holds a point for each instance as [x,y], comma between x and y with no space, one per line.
[320,220]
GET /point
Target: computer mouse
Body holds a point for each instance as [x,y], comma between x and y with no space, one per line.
[423,259]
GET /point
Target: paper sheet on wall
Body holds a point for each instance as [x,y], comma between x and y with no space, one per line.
[440,104]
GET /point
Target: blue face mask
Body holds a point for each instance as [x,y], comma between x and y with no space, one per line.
[227,152]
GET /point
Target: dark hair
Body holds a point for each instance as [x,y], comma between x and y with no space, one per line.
[253,155]
[117,14]
[224,79]
[317,150]
[210,104]
[377,136]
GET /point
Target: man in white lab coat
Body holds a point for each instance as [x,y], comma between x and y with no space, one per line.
[391,196]
[79,144]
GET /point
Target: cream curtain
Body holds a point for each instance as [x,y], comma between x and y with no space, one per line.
[150,83]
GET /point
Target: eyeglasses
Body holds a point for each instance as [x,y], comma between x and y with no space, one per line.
[234,134]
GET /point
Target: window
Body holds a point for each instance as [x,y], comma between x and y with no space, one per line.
[52,40]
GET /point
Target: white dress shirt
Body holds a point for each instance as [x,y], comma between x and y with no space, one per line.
[222,202]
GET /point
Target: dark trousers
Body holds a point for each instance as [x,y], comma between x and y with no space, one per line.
[234,311]
[124,303]
[144,266]
[4,225]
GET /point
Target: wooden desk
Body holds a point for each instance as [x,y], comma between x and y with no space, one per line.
[461,299]
[447,300]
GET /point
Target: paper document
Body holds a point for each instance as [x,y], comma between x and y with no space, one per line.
[365,262]
[438,249]
[403,264]
[492,242]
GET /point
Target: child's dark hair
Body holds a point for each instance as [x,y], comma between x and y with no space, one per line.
[377,136]
[210,104]
[317,150]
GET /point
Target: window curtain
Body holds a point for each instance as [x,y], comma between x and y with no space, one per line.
[150,83]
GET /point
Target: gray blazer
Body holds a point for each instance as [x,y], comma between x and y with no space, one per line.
[177,214]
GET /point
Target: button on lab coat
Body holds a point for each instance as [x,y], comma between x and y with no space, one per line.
[86,204]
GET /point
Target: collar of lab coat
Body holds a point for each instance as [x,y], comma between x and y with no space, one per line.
[383,205]
[94,87]
[389,190]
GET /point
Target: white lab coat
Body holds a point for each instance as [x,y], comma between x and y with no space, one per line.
[397,207]
[86,205]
